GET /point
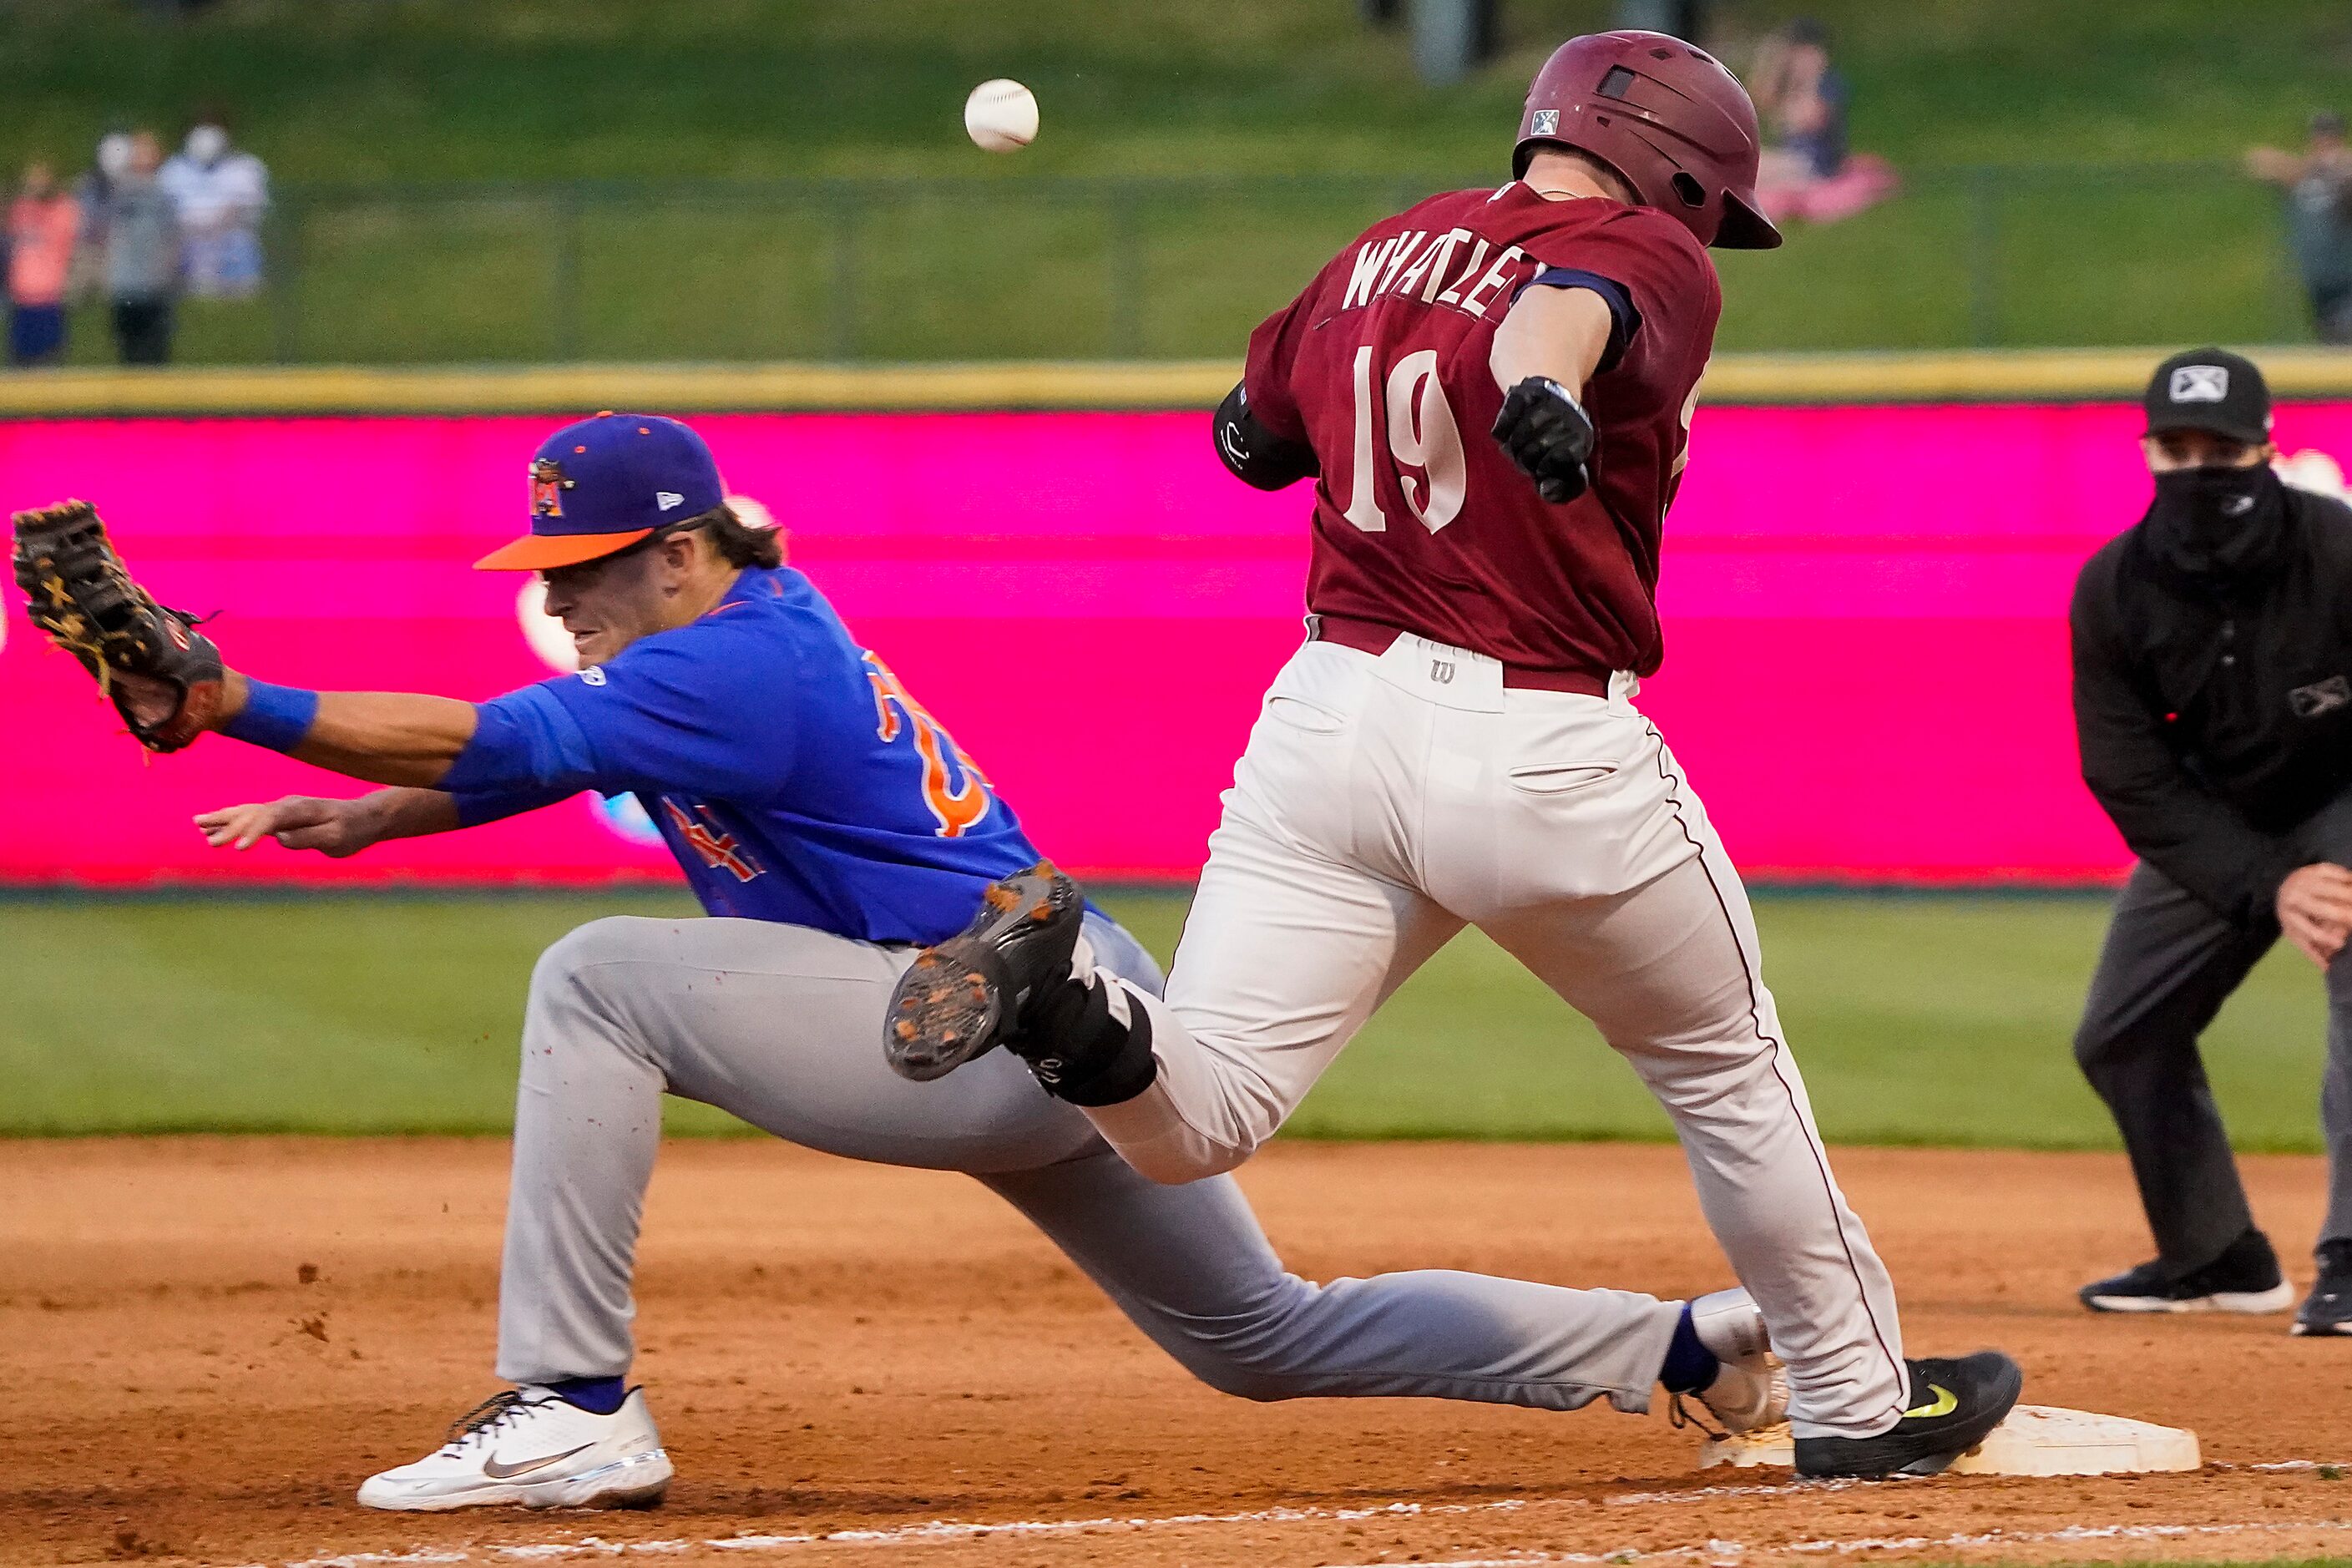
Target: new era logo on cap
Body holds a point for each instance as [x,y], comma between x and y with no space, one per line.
[2200,384]
[1546,123]
[665,499]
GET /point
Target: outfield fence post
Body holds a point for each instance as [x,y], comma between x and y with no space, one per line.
[844,293]
[563,281]
[1984,241]
[285,264]
[2287,290]
[1124,254]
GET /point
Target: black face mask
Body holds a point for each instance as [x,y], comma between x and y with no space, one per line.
[2217,526]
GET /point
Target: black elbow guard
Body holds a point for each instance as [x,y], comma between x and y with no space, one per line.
[1256,454]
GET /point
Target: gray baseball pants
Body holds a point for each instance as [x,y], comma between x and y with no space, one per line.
[783,1026]
[2168,965]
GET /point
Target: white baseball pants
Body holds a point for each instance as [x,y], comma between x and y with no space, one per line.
[1384,802]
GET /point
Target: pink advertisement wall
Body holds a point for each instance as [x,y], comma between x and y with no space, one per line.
[1866,663]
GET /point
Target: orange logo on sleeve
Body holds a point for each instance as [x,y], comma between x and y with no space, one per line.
[717,849]
[955,791]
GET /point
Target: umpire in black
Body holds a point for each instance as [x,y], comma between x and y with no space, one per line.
[2213,705]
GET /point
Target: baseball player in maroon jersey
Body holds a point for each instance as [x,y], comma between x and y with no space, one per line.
[1493,391]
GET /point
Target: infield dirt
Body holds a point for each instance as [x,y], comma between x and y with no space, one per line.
[207,1343]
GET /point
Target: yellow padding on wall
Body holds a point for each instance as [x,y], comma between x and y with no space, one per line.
[2019,375]
[584,388]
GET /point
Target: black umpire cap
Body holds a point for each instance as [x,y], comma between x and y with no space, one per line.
[2212,390]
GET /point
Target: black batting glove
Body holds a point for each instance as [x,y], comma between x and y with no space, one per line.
[1256,454]
[1549,434]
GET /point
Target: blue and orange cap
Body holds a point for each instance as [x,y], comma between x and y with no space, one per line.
[603,484]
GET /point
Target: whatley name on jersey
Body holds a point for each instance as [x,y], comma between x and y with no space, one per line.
[1437,269]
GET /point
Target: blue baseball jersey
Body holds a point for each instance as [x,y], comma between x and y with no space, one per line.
[790,774]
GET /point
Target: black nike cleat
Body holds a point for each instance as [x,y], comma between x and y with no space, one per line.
[2244,1278]
[1954,1405]
[964,997]
[2329,1308]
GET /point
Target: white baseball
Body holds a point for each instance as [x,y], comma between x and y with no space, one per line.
[755,514]
[1001,116]
[542,631]
[751,513]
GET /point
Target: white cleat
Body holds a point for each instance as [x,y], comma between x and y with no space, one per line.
[530,1448]
[1752,1389]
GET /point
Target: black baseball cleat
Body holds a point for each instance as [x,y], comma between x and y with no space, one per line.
[964,997]
[2244,1278]
[1954,1405]
[2329,1308]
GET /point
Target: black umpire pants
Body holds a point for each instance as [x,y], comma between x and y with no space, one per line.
[2169,964]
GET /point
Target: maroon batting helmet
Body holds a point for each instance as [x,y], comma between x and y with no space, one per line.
[1664,114]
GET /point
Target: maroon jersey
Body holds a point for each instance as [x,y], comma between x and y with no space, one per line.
[1422,521]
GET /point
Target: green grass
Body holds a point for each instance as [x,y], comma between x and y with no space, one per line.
[376,97]
[1918,1020]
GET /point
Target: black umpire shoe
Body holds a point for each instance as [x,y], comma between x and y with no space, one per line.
[963,999]
[2244,1278]
[2329,1308]
[1954,1404]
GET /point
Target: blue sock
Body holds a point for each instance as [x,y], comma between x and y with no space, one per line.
[1689,1365]
[602,1396]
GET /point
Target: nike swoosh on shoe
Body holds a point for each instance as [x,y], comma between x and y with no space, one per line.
[1944,1403]
[502,1472]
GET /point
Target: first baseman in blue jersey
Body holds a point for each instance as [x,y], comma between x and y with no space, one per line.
[829,799]
[829,825]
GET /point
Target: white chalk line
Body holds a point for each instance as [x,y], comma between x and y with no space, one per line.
[1797,1489]
[909,1534]
[954,1530]
[1713,1551]
[1731,1551]
[2344,1465]
[1761,1489]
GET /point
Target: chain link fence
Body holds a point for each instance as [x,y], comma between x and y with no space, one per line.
[907,270]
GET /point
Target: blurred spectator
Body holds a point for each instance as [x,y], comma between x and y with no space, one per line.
[142,257]
[1806,170]
[43,223]
[221,194]
[94,192]
[1803,99]
[2318,184]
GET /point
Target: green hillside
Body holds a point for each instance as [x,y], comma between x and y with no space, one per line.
[376,90]
[1319,118]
